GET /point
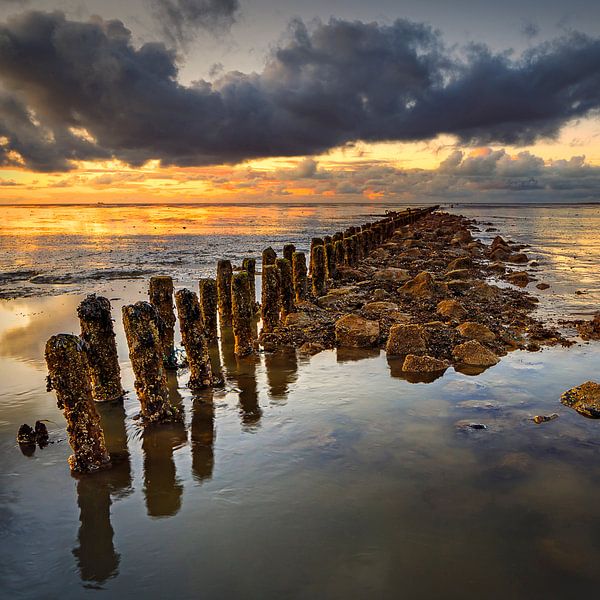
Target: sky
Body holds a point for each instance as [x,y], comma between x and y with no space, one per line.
[280,101]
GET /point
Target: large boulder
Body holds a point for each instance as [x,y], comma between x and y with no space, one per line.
[473,354]
[406,339]
[424,364]
[353,331]
[452,309]
[584,398]
[476,331]
[422,286]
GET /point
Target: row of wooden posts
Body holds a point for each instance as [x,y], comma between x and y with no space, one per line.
[85,369]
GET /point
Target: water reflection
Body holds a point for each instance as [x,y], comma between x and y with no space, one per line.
[242,372]
[395,364]
[203,436]
[162,488]
[282,370]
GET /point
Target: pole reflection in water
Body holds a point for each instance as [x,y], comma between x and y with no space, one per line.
[282,370]
[162,489]
[96,557]
[203,436]
[242,372]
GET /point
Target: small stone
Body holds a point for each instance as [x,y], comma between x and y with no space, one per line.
[584,398]
[424,364]
[458,274]
[356,332]
[518,278]
[544,418]
[470,426]
[422,286]
[476,331]
[452,309]
[472,353]
[542,286]
[392,274]
[518,257]
[463,262]
[406,339]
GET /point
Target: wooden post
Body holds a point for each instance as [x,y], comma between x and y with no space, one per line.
[340,253]
[330,260]
[145,352]
[313,244]
[319,271]
[288,252]
[243,311]
[270,298]
[98,333]
[224,273]
[286,286]
[161,297]
[249,265]
[68,376]
[299,275]
[192,337]
[268,257]
[208,307]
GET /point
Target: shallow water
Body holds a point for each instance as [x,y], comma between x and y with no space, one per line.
[328,477]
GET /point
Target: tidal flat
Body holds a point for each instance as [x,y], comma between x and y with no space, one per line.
[305,476]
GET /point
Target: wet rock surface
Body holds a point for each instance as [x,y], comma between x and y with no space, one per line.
[584,398]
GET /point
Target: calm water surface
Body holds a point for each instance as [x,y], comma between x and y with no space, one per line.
[328,477]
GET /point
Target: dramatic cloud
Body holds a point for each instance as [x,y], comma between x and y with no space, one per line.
[181,20]
[74,90]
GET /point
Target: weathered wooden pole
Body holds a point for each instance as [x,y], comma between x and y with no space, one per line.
[192,337]
[224,274]
[319,271]
[299,276]
[249,265]
[98,333]
[337,236]
[340,253]
[161,297]
[68,376]
[207,288]
[288,252]
[313,244]
[271,300]
[330,260]
[145,352]
[243,312]
[268,256]
[349,248]
[286,286]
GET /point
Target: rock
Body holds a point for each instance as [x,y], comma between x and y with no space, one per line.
[590,330]
[544,418]
[299,319]
[380,295]
[469,426]
[499,242]
[356,332]
[422,286]
[462,237]
[459,286]
[458,274]
[500,254]
[311,348]
[497,267]
[518,257]
[380,307]
[452,309]
[485,291]
[542,286]
[339,299]
[424,364]
[392,274]
[476,331]
[518,278]
[472,353]
[584,398]
[463,262]
[406,339]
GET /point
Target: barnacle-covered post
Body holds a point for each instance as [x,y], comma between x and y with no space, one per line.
[319,271]
[224,272]
[98,333]
[313,244]
[286,286]
[288,252]
[271,301]
[192,337]
[145,352]
[161,297]
[249,265]
[68,376]
[330,260]
[243,311]
[268,257]
[349,250]
[299,275]
[207,288]
[340,253]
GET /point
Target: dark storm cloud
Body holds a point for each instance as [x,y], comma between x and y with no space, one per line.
[75,90]
[181,20]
